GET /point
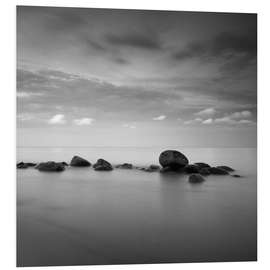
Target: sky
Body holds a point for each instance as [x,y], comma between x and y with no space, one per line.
[104,77]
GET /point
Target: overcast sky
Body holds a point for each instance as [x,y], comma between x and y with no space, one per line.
[102,77]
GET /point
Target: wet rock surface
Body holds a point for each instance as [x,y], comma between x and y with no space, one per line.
[79,162]
[124,166]
[173,159]
[50,166]
[196,178]
[102,165]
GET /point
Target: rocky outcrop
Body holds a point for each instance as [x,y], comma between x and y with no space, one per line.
[217,171]
[79,162]
[173,159]
[196,178]
[124,166]
[50,166]
[191,169]
[226,168]
[102,165]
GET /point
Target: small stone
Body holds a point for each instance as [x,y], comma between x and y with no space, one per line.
[50,166]
[191,169]
[124,166]
[217,171]
[102,165]
[202,165]
[22,165]
[204,171]
[196,178]
[226,168]
[236,175]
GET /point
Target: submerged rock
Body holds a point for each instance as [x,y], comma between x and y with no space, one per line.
[191,169]
[124,166]
[173,159]
[204,171]
[236,175]
[50,166]
[79,162]
[165,169]
[195,178]
[217,171]
[102,165]
[22,165]
[152,168]
[225,168]
[202,165]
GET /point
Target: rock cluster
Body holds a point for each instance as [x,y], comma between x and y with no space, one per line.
[170,161]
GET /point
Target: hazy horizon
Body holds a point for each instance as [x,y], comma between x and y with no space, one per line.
[107,77]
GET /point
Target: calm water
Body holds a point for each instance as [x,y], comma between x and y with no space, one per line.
[81,216]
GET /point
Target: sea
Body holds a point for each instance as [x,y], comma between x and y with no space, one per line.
[85,217]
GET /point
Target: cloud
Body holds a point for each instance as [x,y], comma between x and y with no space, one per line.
[131,126]
[136,40]
[83,121]
[160,118]
[194,121]
[242,114]
[58,119]
[208,121]
[206,112]
[21,94]
[231,51]
[25,116]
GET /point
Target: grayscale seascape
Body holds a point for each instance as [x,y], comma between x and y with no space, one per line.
[136,136]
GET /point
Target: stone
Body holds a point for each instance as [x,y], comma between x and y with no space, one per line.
[202,165]
[236,175]
[196,178]
[217,171]
[31,164]
[173,159]
[165,169]
[124,166]
[64,163]
[226,168]
[50,166]
[204,171]
[191,169]
[102,165]
[22,165]
[79,162]
[154,167]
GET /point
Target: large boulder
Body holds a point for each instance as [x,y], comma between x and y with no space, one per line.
[217,171]
[195,178]
[173,159]
[226,168]
[102,165]
[50,166]
[79,162]
[191,168]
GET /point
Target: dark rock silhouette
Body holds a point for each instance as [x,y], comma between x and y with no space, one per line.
[124,166]
[165,169]
[173,159]
[236,175]
[79,162]
[217,171]
[152,168]
[195,178]
[64,163]
[226,168]
[191,169]
[22,165]
[102,165]
[50,166]
[202,165]
[204,171]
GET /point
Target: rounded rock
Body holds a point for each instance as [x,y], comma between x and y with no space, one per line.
[173,159]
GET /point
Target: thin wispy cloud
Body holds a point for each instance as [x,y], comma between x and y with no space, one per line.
[206,112]
[160,118]
[83,121]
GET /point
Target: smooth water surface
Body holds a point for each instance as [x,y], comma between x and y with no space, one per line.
[81,216]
